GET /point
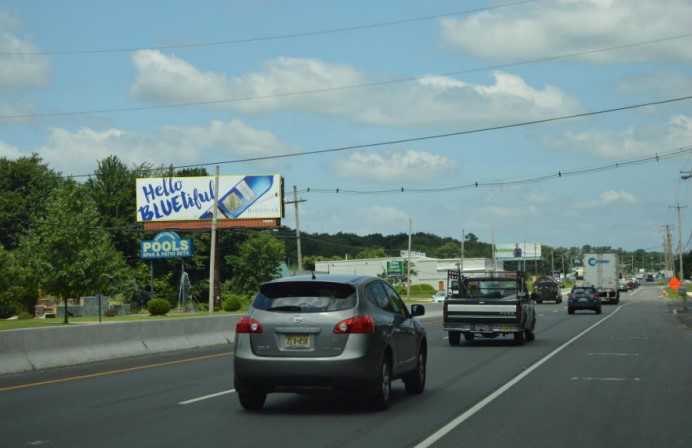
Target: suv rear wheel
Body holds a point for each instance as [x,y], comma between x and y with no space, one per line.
[380,400]
[415,381]
[252,400]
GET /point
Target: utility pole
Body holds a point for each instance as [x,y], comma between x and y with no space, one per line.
[408,268]
[552,262]
[535,259]
[680,248]
[295,202]
[461,264]
[212,255]
[492,233]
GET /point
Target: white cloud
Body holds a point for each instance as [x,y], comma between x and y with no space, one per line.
[399,166]
[77,152]
[429,102]
[663,84]
[606,198]
[20,72]
[9,152]
[566,26]
[381,215]
[632,142]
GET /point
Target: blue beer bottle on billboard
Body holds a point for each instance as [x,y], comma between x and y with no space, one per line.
[245,193]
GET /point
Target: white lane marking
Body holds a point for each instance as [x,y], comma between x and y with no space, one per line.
[446,429]
[588,378]
[541,315]
[554,311]
[564,307]
[218,394]
[445,337]
[38,442]
[613,354]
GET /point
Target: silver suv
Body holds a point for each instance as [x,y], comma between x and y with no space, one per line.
[345,332]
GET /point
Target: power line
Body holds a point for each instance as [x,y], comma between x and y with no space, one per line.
[473,185]
[427,137]
[272,37]
[338,88]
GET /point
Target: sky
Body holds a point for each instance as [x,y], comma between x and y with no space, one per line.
[410,88]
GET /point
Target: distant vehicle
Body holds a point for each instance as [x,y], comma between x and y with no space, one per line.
[583,298]
[649,278]
[546,288]
[602,272]
[344,332]
[439,297]
[489,304]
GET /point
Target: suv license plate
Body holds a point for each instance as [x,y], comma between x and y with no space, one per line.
[297,341]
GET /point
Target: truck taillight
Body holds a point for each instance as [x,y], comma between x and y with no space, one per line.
[248,325]
[358,324]
[444,310]
[518,311]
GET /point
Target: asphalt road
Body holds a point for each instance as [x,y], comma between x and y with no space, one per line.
[623,378]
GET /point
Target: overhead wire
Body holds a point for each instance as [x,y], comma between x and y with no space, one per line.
[338,88]
[424,137]
[272,37]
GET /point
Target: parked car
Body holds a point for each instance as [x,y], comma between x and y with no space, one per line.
[439,296]
[344,332]
[583,298]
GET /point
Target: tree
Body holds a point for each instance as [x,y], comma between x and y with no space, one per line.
[372,253]
[24,187]
[66,251]
[258,261]
[113,190]
[449,250]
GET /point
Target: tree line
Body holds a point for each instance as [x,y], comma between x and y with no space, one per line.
[64,238]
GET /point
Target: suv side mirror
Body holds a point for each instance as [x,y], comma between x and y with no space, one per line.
[417,310]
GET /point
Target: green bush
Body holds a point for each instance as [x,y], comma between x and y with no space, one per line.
[25,316]
[423,289]
[232,302]
[158,307]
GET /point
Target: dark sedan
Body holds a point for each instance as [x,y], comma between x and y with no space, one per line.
[583,298]
[309,333]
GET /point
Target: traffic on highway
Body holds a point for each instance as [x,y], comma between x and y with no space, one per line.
[616,379]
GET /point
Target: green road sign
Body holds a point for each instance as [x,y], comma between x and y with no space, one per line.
[395,268]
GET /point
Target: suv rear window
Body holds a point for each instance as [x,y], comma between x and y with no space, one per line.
[305,297]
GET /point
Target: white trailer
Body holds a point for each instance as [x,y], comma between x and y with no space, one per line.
[603,272]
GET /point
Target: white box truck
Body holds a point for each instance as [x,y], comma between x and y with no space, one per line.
[603,273]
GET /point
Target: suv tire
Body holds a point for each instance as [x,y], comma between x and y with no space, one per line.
[380,400]
[415,381]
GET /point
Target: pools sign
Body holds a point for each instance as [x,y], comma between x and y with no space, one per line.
[165,245]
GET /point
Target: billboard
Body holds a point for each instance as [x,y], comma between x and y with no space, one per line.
[165,245]
[518,251]
[192,198]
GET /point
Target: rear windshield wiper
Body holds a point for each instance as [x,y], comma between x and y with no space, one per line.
[284,308]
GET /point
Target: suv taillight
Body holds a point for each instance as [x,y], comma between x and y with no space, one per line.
[358,324]
[248,325]
[570,296]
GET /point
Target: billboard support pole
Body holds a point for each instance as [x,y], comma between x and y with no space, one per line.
[408,267]
[212,255]
[151,279]
[461,265]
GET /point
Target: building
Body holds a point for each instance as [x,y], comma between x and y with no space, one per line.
[431,271]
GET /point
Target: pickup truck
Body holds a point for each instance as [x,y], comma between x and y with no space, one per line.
[488,304]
